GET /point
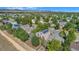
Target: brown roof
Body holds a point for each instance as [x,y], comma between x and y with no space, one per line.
[75,45]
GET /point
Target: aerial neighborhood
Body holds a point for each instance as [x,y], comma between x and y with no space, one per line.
[43,31]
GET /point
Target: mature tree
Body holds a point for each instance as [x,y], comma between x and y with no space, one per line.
[57,26]
[63,34]
[8,26]
[24,20]
[71,36]
[18,19]
[77,24]
[47,18]
[35,40]
[54,20]
[69,39]
[54,45]
[66,46]
[40,27]
[64,18]
[74,16]
[73,21]
[69,25]
[21,34]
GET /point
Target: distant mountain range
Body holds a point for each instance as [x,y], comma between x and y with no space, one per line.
[49,9]
[22,9]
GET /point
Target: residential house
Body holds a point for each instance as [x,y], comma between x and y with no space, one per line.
[68,19]
[62,23]
[45,34]
[15,25]
[74,46]
[28,28]
[49,34]
[5,21]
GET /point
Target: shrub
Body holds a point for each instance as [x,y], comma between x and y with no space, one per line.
[54,45]
[35,40]
[20,33]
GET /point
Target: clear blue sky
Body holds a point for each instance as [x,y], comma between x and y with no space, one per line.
[57,9]
[61,9]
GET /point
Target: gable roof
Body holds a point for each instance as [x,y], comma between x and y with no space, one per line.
[44,31]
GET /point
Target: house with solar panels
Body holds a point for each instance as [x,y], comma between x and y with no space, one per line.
[45,34]
[15,25]
[49,34]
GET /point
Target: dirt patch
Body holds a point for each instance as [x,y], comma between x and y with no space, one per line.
[5,45]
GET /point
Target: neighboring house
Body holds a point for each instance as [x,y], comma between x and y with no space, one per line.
[49,34]
[56,35]
[15,25]
[5,21]
[28,28]
[69,18]
[62,23]
[14,15]
[74,46]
